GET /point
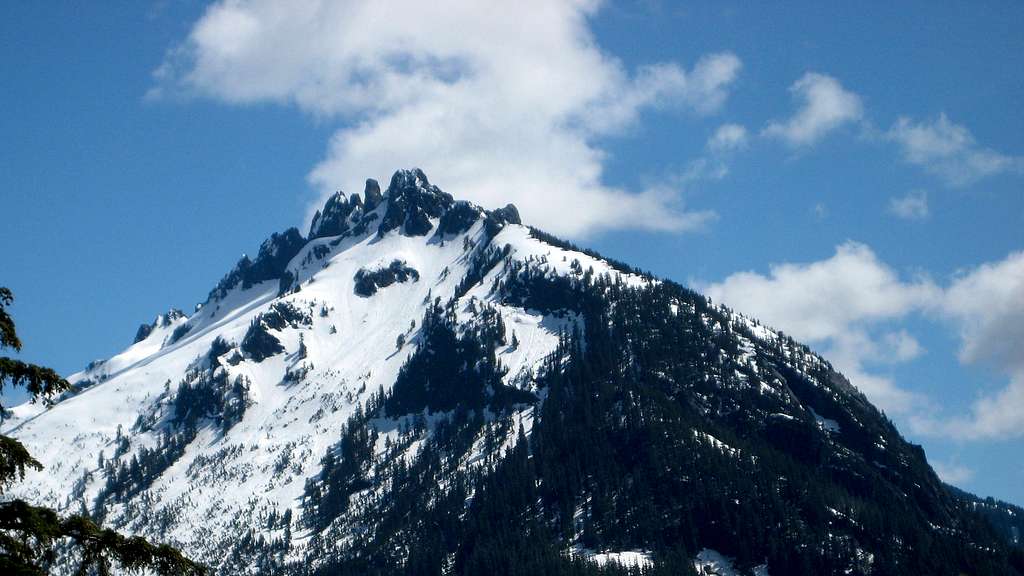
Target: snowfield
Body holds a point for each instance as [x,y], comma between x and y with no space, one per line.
[215,430]
[226,480]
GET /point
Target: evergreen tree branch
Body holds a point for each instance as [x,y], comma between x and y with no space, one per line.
[29,534]
[100,548]
[37,380]
[8,337]
[14,460]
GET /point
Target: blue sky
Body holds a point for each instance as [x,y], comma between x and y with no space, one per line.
[853,175]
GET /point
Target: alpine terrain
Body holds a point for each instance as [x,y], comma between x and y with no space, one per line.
[423,386]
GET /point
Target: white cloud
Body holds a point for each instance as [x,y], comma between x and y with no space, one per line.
[952,472]
[846,303]
[697,170]
[825,106]
[987,307]
[497,102]
[821,300]
[838,303]
[856,353]
[728,137]
[949,151]
[912,206]
[900,346]
[988,304]
[992,416]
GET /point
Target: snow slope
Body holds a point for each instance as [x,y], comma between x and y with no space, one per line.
[218,431]
[230,480]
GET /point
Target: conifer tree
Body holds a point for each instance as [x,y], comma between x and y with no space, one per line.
[29,535]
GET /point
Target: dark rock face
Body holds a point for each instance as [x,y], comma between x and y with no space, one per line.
[497,219]
[418,224]
[270,264]
[459,218]
[508,215]
[286,283]
[179,333]
[231,279]
[162,320]
[285,315]
[412,202]
[372,195]
[274,255]
[333,219]
[342,214]
[218,348]
[170,316]
[143,332]
[367,282]
[259,343]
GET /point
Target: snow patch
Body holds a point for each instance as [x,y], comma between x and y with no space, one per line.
[826,424]
[626,558]
[712,563]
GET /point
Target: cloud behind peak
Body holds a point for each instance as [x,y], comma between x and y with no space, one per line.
[500,102]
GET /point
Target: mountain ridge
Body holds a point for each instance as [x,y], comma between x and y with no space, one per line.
[419,361]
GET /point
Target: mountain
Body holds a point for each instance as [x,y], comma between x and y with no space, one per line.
[422,386]
[1007,519]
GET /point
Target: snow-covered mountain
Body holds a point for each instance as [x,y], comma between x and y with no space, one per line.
[393,391]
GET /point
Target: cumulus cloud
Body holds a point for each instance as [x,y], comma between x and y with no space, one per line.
[988,304]
[821,300]
[728,137]
[900,346]
[912,206]
[950,151]
[498,102]
[847,304]
[987,307]
[842,304]
[952,472]
[824,106]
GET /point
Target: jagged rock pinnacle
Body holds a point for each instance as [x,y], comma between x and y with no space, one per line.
[371,195]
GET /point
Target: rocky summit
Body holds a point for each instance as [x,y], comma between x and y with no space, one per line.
[425,386]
